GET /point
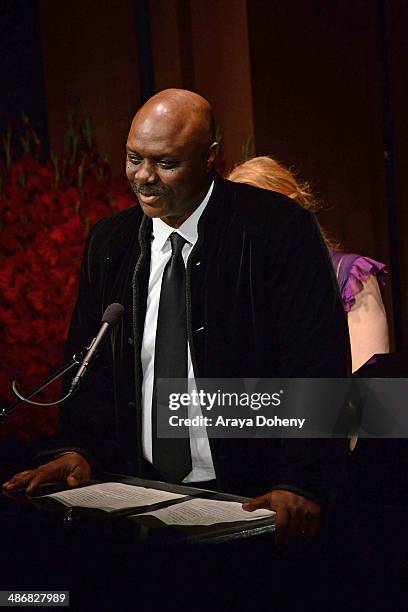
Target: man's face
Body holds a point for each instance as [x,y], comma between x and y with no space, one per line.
[167,169]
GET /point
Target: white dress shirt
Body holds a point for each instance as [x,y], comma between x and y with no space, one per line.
[202,464]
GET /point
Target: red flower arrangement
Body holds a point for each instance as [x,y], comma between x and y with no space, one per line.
[46,209]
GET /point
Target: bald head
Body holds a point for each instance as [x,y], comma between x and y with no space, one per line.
[181,114]
[171,145]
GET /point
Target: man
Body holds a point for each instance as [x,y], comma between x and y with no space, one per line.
[261,301]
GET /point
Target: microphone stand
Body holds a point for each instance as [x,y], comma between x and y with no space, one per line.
[111,317]
[57,374]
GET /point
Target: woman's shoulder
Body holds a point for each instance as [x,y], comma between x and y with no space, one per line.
[352,271]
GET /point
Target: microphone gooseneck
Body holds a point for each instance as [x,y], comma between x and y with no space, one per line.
[111,317]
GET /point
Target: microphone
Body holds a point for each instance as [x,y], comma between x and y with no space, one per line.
[111,317]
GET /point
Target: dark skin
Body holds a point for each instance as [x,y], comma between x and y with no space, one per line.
[169,163]
[171,154]
[71,468]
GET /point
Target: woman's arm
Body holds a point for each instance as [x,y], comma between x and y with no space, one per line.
[367,323]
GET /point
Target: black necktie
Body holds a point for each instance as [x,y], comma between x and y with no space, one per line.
[171,456]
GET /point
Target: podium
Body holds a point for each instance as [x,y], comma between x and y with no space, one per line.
[116,562]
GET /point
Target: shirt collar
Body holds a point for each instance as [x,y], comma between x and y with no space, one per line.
[188,229]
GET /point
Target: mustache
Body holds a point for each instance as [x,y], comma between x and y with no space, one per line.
[149,190]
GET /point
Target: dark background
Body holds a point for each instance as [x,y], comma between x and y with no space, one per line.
[319,85]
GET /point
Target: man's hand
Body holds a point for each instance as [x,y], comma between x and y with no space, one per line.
[296,517]
[70,467]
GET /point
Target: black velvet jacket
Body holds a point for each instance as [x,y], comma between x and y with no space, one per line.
[262,301]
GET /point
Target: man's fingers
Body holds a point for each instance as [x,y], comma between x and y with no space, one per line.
[37,480]
[72,467]
[18,481]
[263,501]
[73,481]
[48,472]
[297,517]
[79,475]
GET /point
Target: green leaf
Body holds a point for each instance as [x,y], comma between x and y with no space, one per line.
[246,149]
[25,143]
[54,160]
[80,180]
[74,145]
[87,224]
[87,130]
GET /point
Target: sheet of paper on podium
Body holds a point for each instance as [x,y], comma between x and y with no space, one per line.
[112,496]
[207,512]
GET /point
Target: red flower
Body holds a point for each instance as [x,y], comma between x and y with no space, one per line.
[47,209]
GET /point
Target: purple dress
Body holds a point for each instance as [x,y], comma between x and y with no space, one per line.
[351,270]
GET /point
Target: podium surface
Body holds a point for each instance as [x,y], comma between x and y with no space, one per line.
[143,530]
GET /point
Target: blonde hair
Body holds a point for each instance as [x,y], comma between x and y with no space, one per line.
[267,173]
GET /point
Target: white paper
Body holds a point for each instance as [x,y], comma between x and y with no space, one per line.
[111,496]
[206,512]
